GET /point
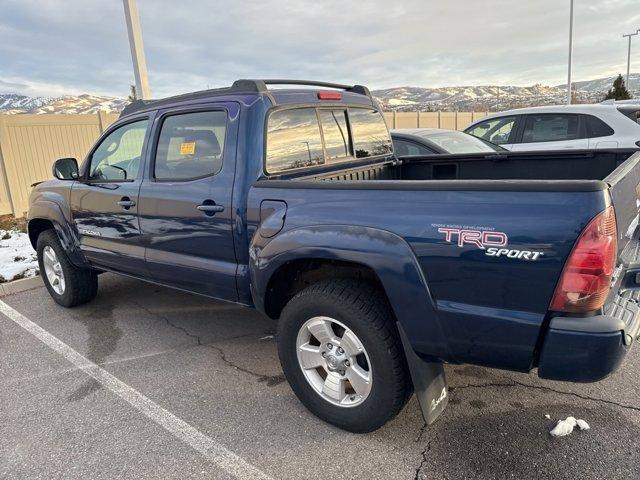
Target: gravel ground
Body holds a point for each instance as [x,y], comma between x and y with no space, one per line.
[214,366]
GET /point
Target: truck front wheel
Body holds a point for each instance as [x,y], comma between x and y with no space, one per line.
[340,351]
[67,284]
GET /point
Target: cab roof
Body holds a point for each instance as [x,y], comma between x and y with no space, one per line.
[352,93]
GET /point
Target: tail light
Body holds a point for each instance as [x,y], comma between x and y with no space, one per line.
[586,277]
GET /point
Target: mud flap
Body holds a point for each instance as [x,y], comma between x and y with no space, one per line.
[429,381]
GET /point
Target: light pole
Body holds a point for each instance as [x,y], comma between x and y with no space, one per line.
[308,150]
[570,52]
[629,35]
[137,49]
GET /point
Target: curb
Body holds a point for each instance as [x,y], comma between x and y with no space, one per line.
[21,285]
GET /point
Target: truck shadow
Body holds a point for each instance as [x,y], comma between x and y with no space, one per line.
[494,427]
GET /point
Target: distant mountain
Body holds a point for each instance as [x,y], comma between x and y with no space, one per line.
[465,98]
[12,103]
[492,97]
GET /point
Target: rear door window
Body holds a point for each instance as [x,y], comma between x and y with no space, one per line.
[551,128]
[370,135]
[495,130]
[293,140]
[190,146]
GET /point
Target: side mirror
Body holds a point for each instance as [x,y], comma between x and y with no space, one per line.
[66,169]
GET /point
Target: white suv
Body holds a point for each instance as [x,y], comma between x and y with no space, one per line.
[603,125]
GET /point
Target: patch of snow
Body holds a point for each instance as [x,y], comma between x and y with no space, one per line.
[398,101]
[17,257]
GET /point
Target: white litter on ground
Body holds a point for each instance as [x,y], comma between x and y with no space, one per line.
[583,425]
[17,257]
[566,426]
[547,416]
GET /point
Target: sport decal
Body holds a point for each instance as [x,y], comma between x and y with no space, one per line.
[493,243]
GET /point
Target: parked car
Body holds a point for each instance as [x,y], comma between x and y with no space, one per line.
[290,201]
[604,125]
[429,141]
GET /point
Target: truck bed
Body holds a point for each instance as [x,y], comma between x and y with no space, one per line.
[559,165]
[489,311]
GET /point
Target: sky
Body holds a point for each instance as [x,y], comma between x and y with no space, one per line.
[57,47]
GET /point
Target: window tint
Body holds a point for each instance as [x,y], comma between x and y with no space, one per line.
[370,134]
[550,128]
[190,145]
[293,140]
[336,133]
[495,130]
[596,127]
[118,155]
[404,148]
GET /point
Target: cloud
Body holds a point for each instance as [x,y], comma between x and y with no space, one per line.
[71,46]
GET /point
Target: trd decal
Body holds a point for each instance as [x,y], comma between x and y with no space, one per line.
[488,240]
[480,239]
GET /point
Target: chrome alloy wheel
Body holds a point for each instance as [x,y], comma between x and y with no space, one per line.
[53,270]
[334,361]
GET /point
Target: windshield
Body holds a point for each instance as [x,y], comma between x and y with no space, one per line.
[460,142]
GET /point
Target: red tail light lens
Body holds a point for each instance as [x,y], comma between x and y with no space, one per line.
[586,277]
[329,95]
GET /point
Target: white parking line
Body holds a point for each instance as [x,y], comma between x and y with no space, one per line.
[209,448]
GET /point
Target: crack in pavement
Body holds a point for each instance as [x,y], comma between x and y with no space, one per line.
[515,383]
[421,432]
[270,380]
[423,461]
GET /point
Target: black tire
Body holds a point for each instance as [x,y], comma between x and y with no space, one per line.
[365,311]
[81,284]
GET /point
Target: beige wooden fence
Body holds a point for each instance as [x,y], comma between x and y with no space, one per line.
[450,120]
[29,144]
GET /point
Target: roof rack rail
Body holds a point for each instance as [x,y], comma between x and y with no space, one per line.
[261,85]
[240,86]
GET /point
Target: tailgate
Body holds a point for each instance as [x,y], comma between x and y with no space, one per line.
[624,188]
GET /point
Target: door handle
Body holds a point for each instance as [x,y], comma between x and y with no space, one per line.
[209,208]
[126,203]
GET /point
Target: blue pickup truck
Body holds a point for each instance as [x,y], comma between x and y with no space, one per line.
[379,269]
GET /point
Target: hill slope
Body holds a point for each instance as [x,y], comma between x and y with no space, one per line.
[464,98]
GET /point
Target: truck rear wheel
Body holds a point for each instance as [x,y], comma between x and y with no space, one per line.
[67,284]
[340,351]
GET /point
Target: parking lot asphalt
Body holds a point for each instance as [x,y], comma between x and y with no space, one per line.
[213,367]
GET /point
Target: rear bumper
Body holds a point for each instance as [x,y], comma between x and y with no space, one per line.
[589,349]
